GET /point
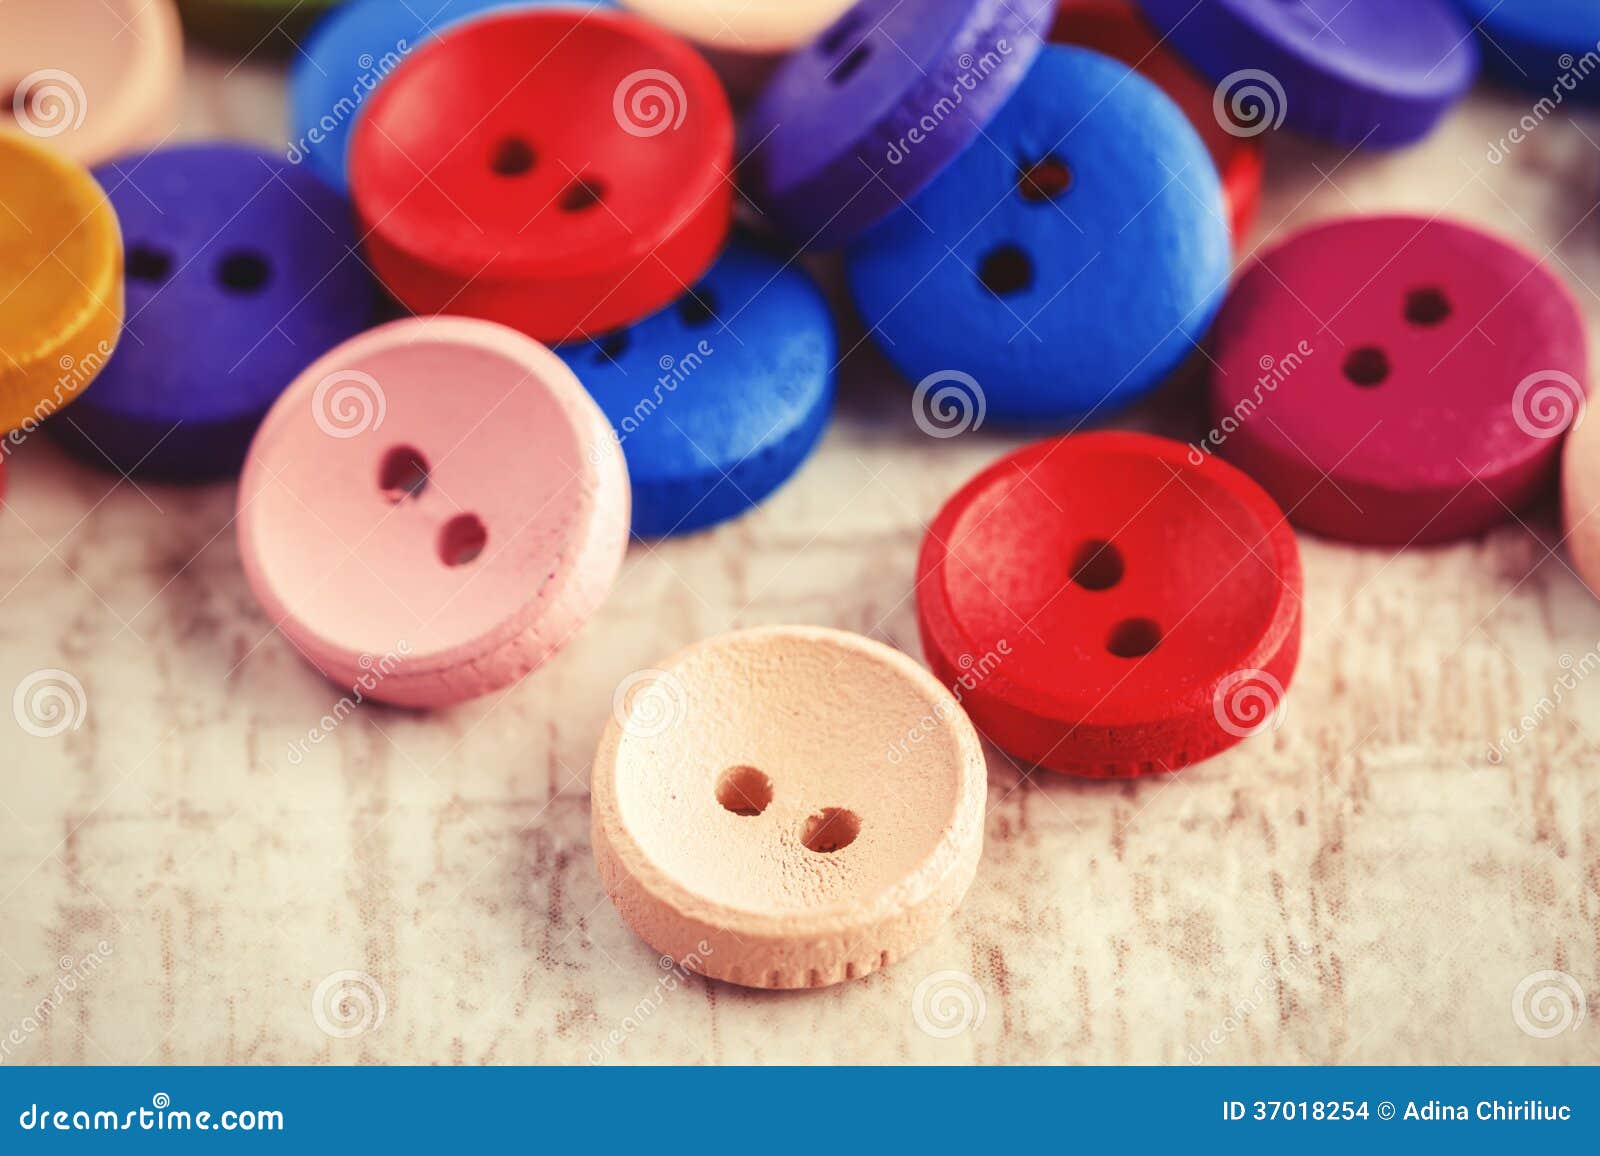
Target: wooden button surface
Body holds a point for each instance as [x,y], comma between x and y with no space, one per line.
[439,492]
[1110,606]
[787,806]
[60,281]
[92,78]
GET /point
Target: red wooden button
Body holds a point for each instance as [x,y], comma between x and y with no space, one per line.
[1393,380]
[1116,28]
[560,171]
[1112,604]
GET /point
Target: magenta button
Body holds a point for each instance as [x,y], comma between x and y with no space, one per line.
[436,507]
[1392,380]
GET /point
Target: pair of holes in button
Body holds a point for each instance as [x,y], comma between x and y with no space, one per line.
[1007,269]
[746,791]
[696,309]
[403,476]
[1368,365]
[515,157]
[1098,565]
[241,271]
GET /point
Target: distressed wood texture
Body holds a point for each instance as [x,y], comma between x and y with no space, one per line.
[1361,885]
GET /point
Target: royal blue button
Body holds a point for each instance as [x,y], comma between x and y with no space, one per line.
[1070,262]
[241,270]
[720,397]
[352,51]
[1357,72]
[1540,44]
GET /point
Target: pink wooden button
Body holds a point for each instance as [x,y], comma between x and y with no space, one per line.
[432,510]
[787,806]
[1580,486]
[1397,379]
[93,78]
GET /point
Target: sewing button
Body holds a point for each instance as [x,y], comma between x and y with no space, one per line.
[1539,45]
[1355,72]
[566,199]
[860,121]
[719,398]
[787,807]
[1581,497]
[60,282]
[1115,28]
[1396,380]
[740,26]
[1112,604]
[425,501]
[240,270]
[1084,249]
[351,53]
[91,78]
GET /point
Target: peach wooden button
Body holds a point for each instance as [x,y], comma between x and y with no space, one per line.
[60,281]
[1580,485]
[740,26]
[432,510]
[787,806]
[92,78]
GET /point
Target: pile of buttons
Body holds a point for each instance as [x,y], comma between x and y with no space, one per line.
[531,275]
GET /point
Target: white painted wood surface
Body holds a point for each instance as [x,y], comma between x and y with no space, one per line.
[1360,886]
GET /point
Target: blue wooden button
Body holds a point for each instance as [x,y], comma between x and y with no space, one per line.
[241,270]
[1069,263]
[1540,45]
[352,51]
[720,397]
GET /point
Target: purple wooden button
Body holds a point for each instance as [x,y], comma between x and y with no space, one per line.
[1356,72]
[864,118]
[241,271]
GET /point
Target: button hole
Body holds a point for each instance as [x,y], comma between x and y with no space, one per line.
[851,64]
[698,308]
[244,271]
[830,829]
[1134,638]
[1097,565]
[582,194]
[513,157]
[1043,180]
[1006,270]
[462,540]
[744,791]
[146,263]
[1427,306]
[1367,366]
[403,474]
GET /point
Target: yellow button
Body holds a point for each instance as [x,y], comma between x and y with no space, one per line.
[60,282]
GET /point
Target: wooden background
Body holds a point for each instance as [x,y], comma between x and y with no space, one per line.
[1362,885]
